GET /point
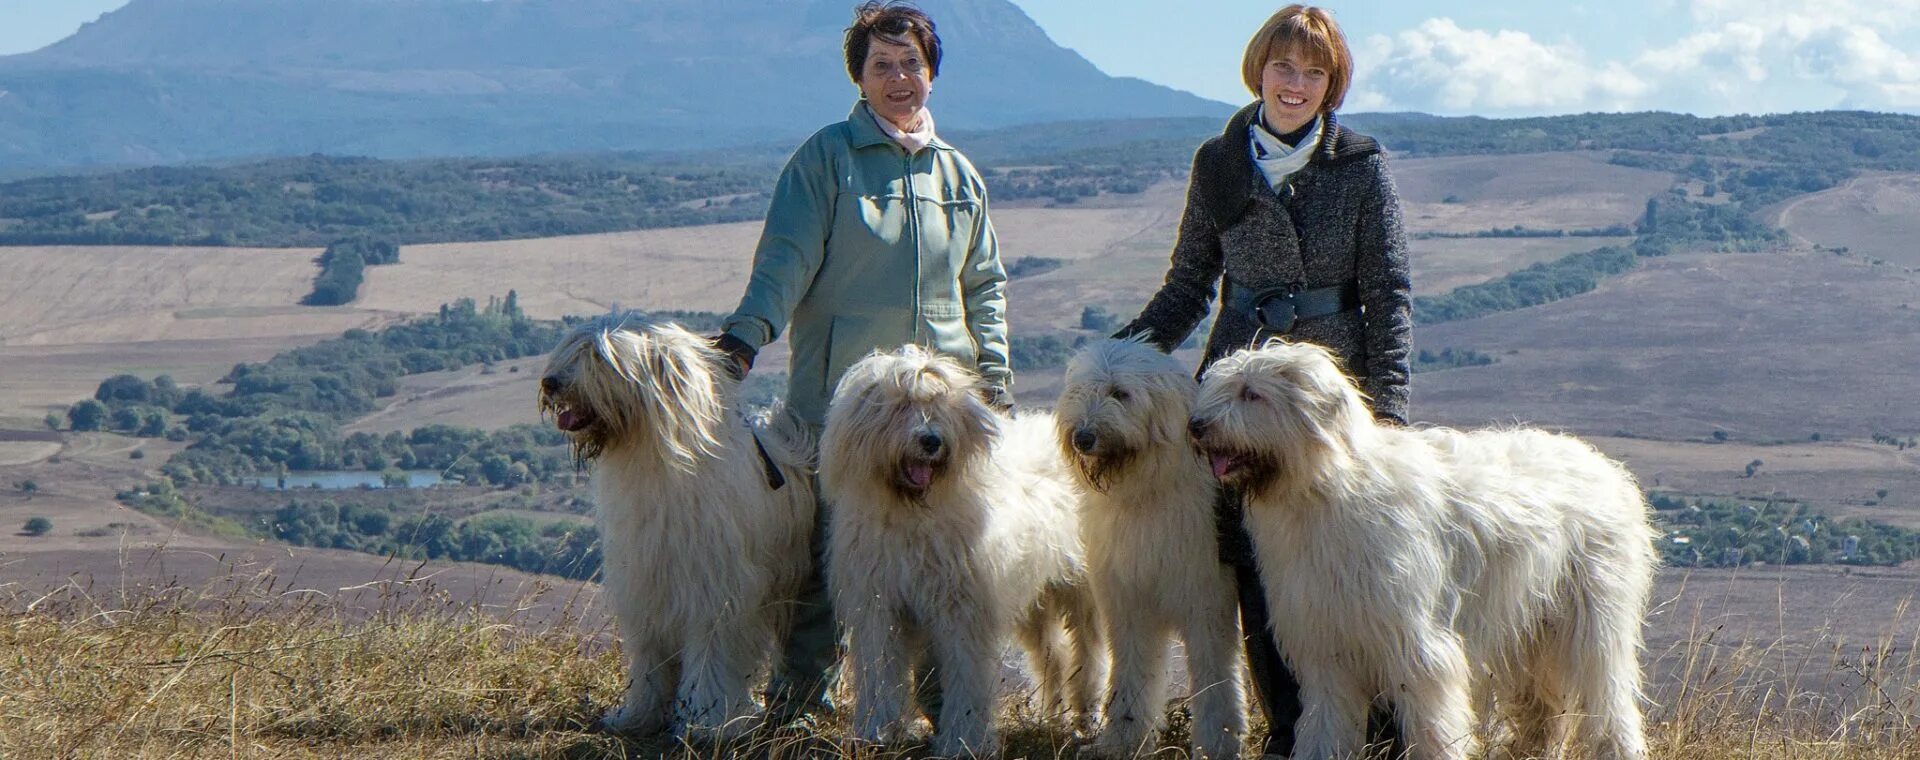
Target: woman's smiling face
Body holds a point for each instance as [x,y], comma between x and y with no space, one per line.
[896,81]
[1294,88]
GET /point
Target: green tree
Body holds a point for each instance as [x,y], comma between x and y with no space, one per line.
[126,419]
[28,486]
[1098,319]
[52,421]
[37,526]
[127,388]
[86,415]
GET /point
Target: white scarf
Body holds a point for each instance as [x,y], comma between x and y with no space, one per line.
[912,141]
[1276,159]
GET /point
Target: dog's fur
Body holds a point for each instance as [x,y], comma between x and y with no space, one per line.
[1149,530]
[1436,568]
[701,557]
[951,526]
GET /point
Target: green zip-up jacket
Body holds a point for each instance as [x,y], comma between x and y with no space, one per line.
[866,248]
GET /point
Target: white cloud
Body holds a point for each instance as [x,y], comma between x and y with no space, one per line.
[1738,55]
[1439,66]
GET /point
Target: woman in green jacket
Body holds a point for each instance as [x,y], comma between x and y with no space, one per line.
[877,237]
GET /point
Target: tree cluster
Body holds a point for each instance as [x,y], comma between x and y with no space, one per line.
[1540,283]
[317,200]
[343,267]
[1428,360]
[1728,534]
[559,547]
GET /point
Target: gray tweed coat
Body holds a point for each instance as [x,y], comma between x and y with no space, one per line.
[1340,224]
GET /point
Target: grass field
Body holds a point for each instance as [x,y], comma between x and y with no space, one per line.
[1442,264]
[69,295]
[1555,191]
[1755,345]
[1875,215]
[70,317]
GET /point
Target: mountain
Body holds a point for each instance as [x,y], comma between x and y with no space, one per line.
[176,80]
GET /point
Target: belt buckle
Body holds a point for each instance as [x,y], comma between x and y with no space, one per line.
[1274,309]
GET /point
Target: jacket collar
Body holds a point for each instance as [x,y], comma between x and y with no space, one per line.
[1230,175]
[863,132]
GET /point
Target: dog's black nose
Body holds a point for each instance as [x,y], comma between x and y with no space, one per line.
[1197,427]
[549,385]
[1084,440]
[930,442]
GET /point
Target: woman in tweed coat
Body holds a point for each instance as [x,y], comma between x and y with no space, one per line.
[1295,219]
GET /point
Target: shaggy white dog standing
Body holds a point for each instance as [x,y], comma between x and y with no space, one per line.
[950,527]
[1435,567]
[700,553]
[1150,536]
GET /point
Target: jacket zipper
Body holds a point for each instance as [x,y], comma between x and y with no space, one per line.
[913,234]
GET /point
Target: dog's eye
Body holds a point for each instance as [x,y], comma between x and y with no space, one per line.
[1249,394]
[1120,395]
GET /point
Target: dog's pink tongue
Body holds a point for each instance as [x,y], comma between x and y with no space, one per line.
[1221,464]
[919,475]
[569,420]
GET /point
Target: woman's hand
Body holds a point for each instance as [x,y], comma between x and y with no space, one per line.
[739,355]
[1000,399]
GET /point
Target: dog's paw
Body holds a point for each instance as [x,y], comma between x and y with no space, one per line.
[622,721]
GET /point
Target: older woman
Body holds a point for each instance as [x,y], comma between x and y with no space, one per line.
[1296,220]
[877,237]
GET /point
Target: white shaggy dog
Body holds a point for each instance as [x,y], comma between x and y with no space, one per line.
[1150,536]
[700,553]
[1435,568]
[951,527]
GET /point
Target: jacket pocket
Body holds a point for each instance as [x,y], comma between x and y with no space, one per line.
[869,217]
[948,226]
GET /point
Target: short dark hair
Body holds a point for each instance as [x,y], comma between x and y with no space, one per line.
[895,22]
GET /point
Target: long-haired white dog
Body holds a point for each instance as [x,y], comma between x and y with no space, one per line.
[1149,529]
[951,527]
[1434,568]
[700,553]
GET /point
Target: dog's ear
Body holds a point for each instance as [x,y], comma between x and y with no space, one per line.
[1329,404]
[1170,407]
[686,404]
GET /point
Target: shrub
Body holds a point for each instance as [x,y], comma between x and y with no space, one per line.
[37,526]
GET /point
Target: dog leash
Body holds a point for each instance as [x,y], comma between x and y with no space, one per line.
[775,480]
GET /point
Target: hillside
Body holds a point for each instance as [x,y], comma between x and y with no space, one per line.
[162,81]
[314,200]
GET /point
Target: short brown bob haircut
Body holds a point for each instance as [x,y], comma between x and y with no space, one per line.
[892,22]
[1310,31]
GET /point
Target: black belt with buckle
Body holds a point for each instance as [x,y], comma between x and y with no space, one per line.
[1276,309]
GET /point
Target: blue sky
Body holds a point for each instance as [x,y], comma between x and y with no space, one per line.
[1492,58]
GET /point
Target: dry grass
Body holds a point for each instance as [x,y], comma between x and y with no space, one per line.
[251,667]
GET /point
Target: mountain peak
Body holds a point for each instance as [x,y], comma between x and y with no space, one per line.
[189,79]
